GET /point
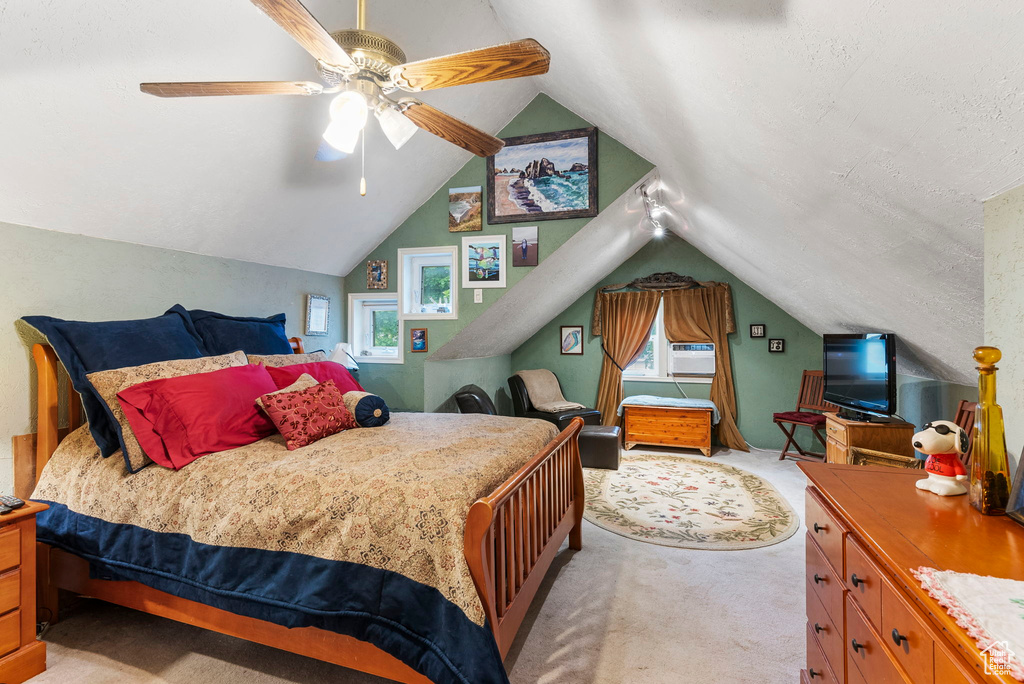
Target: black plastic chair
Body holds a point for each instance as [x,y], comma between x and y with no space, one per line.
[523,407]
[472,399]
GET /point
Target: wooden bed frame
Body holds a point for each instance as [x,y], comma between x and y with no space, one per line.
[511,538]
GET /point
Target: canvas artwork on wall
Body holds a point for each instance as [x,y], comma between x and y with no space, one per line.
[525,246]
[543,177]
[418,339]
[465,209]
[377,274]
[483,261]
[572,339]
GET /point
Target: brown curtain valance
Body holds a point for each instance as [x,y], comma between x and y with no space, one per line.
[663,282]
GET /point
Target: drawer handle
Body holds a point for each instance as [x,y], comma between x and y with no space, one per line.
[813,674]
[818,579]
[818,628]
[820,528]
[857,581]
[856,646]
[897,637]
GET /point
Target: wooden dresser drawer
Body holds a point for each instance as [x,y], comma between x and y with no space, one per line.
[10,632]
[946,671]
[818,669]
[864,580]
[824,582]
[864,650]
[826,632]
[908,639]
[10,591]
[825,529]
[10,548]
[836,431]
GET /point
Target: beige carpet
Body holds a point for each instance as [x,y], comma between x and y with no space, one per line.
[617,612]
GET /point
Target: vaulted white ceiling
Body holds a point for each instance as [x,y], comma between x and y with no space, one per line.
[833,155]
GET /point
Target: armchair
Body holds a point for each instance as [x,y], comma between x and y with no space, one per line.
[523,408]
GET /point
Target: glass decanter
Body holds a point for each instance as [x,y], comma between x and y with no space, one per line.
[990,469]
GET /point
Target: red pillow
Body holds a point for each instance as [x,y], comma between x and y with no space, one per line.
[304,416]
[322,371]
[177,420]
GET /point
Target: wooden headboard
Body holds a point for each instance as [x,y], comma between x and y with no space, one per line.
[32,451]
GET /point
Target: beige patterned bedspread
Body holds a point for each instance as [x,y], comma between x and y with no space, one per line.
[393,497]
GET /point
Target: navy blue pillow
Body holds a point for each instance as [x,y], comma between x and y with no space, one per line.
[85,347]
[231,333]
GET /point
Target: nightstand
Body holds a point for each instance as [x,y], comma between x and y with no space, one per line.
[22,656]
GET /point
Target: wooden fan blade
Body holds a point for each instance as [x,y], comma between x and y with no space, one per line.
[307,31]
[511,60]
[451,129]
[205,88]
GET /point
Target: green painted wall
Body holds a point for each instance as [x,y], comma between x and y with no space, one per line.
[442,378]
[921,400]
[84,278]
[765,382]
[403,386]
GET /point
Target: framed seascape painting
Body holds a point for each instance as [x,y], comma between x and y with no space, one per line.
[318,314]
[418,340]
[465,210]
[572,340]
[543,177]
[524,246]
[483,261]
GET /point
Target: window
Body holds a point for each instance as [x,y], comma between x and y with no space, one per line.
[427,282]
[375,329]
[654,363]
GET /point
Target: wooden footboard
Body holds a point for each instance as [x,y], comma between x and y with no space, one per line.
[513,535]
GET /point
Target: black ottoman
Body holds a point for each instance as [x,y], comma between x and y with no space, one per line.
[599,446]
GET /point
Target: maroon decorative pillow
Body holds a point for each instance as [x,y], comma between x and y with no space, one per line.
[307,415]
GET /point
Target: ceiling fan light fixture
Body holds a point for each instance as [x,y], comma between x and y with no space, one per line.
[396,127]
[348,117]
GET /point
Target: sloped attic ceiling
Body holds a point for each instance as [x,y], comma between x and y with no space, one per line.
[833,155]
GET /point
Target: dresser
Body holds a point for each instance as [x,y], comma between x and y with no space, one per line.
[892,436]
[868,620]
[22,656]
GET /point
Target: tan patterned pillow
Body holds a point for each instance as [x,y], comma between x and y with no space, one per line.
[109,383]
[279,360]
[304,381]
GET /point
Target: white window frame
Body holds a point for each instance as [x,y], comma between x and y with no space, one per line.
[358,321]
[661,355]
[410,260]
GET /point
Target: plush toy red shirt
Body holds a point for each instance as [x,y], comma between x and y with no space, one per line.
[948,465]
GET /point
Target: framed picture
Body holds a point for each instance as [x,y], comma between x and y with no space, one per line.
[543,177]
[483,261]
[757,330]
[465,209]
[377,274]
[572,340]
[318,314]
[418,339]
[777,345]
[524,246]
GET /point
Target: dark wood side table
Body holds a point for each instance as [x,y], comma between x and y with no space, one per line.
[22,656]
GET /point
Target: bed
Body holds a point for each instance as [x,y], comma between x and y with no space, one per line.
[480,518]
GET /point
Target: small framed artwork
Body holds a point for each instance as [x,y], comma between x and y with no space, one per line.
[418,339]
[318,314]
[543,177]
[465,210]
[377,274]
[571,340]
[757,330]
[777,345]
[524,246]
[483,261]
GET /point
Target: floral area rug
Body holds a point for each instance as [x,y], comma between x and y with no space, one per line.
[689,503]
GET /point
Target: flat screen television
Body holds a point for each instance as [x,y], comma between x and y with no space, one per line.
[860,372]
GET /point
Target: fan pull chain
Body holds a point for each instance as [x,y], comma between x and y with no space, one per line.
[362,176]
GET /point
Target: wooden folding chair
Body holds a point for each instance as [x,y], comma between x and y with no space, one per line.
[965,419]
[809,408]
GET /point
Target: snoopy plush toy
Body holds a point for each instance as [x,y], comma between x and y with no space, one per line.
[943,441]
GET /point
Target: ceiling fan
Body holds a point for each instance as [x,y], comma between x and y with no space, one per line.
[364,71]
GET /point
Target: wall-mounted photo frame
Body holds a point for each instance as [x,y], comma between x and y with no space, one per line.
[757,330]
[571,340]
[525,246]
[318,314]
[377,274]
[543,177]
[418,339]
[777,345]
[465,209]
[483,261]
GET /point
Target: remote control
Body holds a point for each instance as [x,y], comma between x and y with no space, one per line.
[11,502]
[4,510]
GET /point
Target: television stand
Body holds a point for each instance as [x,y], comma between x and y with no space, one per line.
[844,434]
[854,416]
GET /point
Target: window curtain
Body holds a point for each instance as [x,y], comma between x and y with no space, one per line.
[627,318]
[699,315]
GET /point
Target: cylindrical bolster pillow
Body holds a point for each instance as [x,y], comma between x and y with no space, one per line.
[368,409]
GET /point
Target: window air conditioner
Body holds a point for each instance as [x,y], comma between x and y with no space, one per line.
[687,358]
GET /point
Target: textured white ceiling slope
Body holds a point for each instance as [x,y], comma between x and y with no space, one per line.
[830,154]
[83,151]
